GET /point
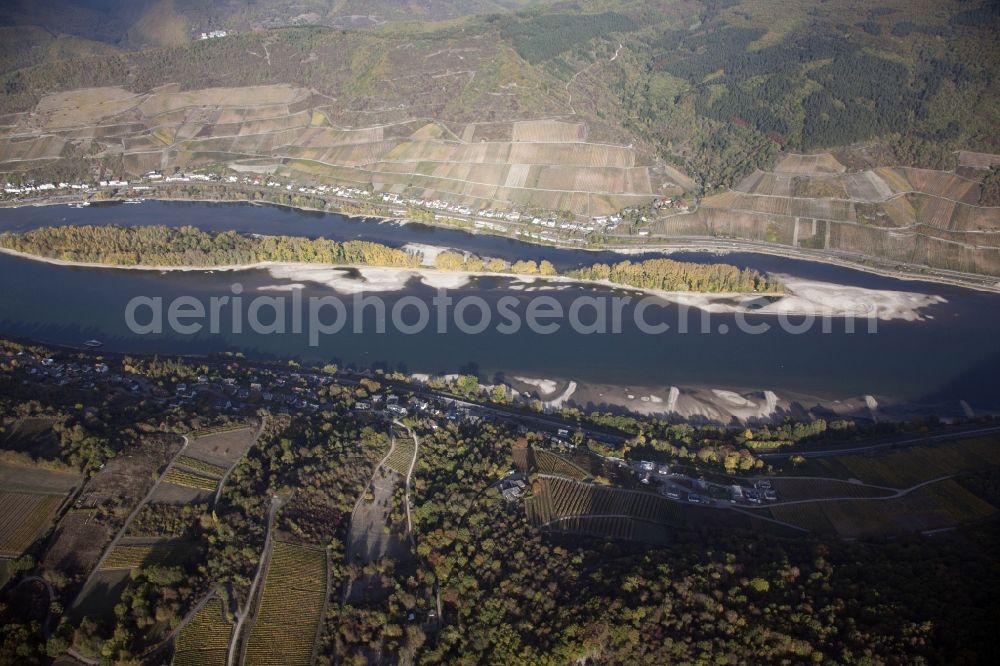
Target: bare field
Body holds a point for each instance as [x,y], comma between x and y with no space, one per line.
[169,128]
[78,543]
[221,448]
[20,478]
[162,102]
[31,435]
[808,164]
[866,186]
[83,107]
[177,495]
[549,131]
[127,477]
[977,160]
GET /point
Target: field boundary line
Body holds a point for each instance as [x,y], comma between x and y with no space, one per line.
[128,521]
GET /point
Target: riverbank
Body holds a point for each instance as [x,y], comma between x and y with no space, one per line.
[721,247]
[800,298]
[727,406]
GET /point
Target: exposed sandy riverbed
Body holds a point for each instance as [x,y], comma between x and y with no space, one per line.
[802,297]
[715,405]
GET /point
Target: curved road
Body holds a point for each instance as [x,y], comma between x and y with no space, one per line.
[409,476]
[241,615]
[222,481]
[131,517]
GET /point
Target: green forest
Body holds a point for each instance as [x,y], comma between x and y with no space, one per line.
[670,275]
[188,246]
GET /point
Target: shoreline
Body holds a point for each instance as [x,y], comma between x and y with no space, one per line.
[697,244]
[800,298]
[725,406]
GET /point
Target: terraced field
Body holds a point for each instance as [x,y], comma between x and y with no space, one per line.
[206,468]
[204,641]
[550,463]
[189,479]
[900,214]
[564,505]
[557,498]
[543,163]
[291,607]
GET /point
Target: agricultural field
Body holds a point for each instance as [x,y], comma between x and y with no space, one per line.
[204,641]
[550,463]
[180,477]
[23,518]
[169,128]
[809,164]
[200,466]
[912,465]
[30,498]
[159,553]
[940,505]
[291,607]
[402,455]
[559,504]
[791,489]
[33,436]
[219,450]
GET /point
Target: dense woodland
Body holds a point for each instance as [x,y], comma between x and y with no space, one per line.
[990,194]
[188,246]
[670,275]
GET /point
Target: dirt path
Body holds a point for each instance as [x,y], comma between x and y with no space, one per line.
[163,644]
[46,632]
[265,556]
[222,481]
[922,439]
[131,517]
[409,477]
[896,494]
[358,504]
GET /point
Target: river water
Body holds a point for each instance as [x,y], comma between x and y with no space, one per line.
[952,354]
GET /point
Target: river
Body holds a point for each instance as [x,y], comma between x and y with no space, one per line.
[951,354]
